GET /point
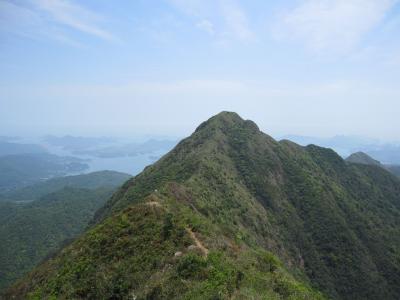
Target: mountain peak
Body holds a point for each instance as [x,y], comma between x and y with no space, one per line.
[226,120]
[362,158]
[228,115]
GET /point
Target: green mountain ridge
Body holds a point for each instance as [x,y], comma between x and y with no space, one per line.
[230,213]
[365,159]
[362,158]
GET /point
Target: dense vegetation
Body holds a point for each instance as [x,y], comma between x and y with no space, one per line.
[148,251]
[232,214]
[61,210]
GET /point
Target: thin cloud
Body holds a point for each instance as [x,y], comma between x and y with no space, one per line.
[236,20]
[74,16]
[225,19]
[207,26]
[48,19]
[27,23]
[332,25]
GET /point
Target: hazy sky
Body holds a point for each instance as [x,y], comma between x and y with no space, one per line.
[309,67]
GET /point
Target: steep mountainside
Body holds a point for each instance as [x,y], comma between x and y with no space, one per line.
[61,210]
[231,213]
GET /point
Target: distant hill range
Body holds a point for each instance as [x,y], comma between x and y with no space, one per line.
[386,152]
[108,147]
[8,148]
[51,213]
[94,180]
[19,170]
[231,213]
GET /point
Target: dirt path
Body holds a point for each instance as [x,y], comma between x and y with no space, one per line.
[198,243]
[154,203]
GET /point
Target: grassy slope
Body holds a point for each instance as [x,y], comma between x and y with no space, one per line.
[61,209]
[244,196]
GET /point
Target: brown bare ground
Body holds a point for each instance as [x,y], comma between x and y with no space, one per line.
[198,243]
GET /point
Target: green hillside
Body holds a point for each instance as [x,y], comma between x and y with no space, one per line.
[61,210]
[231,213]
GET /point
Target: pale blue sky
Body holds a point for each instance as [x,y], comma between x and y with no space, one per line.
[309,67]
